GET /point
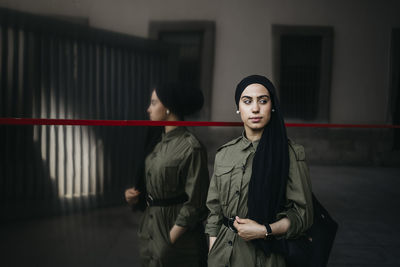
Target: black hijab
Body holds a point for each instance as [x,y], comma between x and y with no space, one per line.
[181,99]
[267,187]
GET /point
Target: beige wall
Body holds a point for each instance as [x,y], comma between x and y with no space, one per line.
[362,28]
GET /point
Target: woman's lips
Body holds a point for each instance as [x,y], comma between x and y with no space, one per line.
[255,119]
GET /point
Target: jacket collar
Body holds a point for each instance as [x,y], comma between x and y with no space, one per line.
[246,143]
[165,137]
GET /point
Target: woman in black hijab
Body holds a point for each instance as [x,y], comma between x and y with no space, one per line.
[260,192]
[173,185]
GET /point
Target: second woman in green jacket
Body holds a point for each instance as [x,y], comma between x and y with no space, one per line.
[175,186]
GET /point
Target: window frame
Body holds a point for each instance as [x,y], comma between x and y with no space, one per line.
[207,55]
[326,33]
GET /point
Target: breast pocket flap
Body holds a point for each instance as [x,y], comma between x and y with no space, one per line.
[223,178]
[221,170]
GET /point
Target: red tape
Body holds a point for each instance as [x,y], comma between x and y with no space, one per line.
[25,121]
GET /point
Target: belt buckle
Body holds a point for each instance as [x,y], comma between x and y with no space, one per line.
[149,200]
[230,224]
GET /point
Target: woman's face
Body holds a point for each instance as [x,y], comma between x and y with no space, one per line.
[255,107]
[157,111]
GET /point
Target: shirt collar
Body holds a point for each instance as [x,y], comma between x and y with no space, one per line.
[165,137]
[246,143]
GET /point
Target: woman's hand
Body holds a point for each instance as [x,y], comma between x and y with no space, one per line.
[175,232]
[249,229]
[132,196]
[212,241]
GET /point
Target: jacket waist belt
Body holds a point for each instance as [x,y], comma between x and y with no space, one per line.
[228,222]
[167,201]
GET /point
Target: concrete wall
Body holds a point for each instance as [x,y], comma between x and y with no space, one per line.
[362,28]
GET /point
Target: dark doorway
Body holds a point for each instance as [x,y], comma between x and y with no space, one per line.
[189,55]
[302,67]
[300,75]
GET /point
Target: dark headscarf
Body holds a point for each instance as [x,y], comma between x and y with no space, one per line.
[180,99]
[267,187]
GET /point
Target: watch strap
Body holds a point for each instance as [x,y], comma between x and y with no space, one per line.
[269,230]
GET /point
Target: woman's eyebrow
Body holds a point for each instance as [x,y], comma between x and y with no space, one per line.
[261,96]
[258,97]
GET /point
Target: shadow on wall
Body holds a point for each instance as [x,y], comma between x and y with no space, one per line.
[56,69]
[68,169]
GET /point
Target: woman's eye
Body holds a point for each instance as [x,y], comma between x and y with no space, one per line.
[247,101]
[263,101]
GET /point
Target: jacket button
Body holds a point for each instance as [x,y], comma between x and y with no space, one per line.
[237,193]
[230,243]
[151,238]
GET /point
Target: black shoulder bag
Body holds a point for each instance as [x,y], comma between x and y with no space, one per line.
[313,249]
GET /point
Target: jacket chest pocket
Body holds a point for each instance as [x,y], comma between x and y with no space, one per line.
[223,176]
[171,177]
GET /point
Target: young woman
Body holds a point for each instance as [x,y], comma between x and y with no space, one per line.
[260,192]
[176,182]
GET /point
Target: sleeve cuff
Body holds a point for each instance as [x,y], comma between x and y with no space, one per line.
[183,222]
[212,230]
[292,232]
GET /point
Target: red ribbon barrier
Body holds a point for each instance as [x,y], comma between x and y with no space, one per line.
[25,121]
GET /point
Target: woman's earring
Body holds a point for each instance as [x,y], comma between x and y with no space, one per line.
[168,112]
[273,110]
[237,111]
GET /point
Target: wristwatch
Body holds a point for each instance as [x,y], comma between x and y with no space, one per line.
[268,234]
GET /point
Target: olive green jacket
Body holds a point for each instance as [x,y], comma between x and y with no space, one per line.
[177,165]
[227,196]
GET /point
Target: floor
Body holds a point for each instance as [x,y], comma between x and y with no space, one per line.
[364,200]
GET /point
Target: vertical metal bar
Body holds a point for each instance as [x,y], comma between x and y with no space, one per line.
[13,88]
[3,67]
